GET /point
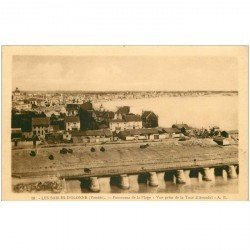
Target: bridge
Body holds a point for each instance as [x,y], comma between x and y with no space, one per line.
[177,159]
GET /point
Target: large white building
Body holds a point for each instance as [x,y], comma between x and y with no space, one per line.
[129,121]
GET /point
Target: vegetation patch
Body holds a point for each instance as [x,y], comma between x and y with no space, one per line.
[87,170]
[63,151]
[51,157]
[70,150]
[33,153]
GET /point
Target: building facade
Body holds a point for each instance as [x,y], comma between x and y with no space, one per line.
[72,123]
[129,121]
[40,126]
[72,109]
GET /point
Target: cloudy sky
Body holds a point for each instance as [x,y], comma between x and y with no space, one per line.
[103,73]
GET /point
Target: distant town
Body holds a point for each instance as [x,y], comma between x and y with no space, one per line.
[47,118]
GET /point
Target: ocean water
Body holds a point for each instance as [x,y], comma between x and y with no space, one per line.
[201,111]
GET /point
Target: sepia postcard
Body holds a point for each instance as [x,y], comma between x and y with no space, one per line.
[162,123]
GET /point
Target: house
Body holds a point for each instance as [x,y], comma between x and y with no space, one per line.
[101,135]
[129,121]
[149,119]
[40,126]
[72,109]
[139,134]
[72,123]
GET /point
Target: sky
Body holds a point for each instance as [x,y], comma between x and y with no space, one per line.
[120,73]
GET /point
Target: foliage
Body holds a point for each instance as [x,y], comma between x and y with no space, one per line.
[70,150]
[51,157]
[87,121]
[63,151]
[33,153]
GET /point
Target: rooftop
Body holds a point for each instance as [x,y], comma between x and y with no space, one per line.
[40,121]
[72,119]
[145,114]
[132,118]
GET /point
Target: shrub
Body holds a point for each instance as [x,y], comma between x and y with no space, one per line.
[70,150]
[63,151]
[51,157]
[92,149]
[32,153]
[102,149]
[87,170]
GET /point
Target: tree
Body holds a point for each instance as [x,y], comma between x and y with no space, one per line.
[86,120]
